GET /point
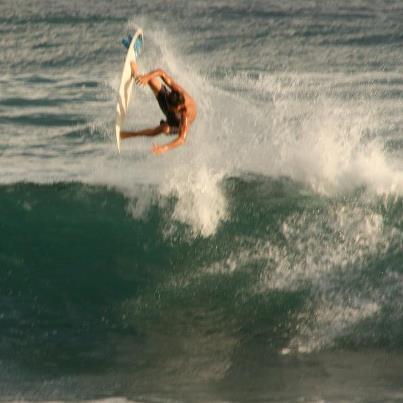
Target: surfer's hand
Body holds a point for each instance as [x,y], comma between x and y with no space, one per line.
[142,79]
[157,150]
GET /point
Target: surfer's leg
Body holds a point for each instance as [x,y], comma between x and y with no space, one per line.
[146,132]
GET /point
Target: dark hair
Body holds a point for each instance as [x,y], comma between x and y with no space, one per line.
[175,99]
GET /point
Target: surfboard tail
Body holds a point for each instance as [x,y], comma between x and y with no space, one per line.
[127,40]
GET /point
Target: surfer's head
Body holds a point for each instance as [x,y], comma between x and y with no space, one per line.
[175,99]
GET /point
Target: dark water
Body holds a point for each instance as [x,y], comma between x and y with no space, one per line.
[260,262]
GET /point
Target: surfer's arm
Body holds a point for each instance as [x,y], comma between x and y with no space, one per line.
[165,77]
[169,81]
[183,130]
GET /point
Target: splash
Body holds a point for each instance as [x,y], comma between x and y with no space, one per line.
[300,126]
[201,202]
[309,128]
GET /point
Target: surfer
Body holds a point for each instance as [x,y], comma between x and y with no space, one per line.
[177,105]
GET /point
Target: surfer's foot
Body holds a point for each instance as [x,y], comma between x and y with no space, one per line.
[123,135]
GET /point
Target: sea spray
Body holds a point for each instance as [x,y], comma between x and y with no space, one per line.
[200,199]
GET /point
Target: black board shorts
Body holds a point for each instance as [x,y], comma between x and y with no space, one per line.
[171,118]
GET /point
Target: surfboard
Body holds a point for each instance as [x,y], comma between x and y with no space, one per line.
[126,82]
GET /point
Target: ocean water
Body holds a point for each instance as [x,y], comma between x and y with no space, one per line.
[260,262]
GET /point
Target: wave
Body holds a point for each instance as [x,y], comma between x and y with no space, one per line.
[273,237]
[295,270]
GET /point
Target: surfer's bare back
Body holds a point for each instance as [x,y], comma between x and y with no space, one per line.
[177,105]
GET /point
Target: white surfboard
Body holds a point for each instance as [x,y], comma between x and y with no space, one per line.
[126,83]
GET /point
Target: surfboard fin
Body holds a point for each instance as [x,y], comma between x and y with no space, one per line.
[138,46]
[126,41]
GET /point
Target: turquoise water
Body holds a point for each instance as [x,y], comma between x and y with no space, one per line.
[260,262]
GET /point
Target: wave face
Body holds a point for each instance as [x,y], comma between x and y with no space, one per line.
[88,287]
[260,262]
